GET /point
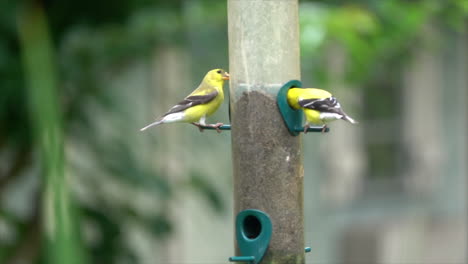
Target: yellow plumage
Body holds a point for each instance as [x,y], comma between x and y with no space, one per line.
[319,106]
[202,102]
[296,94]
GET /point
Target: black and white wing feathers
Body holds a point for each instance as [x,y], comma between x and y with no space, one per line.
[327,106]
[190,101]
[330,105]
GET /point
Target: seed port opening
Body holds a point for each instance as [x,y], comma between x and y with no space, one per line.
[252,227]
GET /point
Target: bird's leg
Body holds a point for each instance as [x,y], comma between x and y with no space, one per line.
[306,127]
[200,127]
[216,126]
[201,123]
[324,128]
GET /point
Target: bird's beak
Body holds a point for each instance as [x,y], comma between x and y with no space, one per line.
[226,76]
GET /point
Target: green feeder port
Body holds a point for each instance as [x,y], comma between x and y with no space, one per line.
[253,235]
[292,117]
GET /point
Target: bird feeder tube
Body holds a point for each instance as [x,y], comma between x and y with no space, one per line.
[267,160]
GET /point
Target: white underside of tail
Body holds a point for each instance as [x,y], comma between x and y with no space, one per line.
[330,116]
[334,116]
[171,118]
[348,118]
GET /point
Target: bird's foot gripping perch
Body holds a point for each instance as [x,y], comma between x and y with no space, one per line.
[324,128]
[208,126]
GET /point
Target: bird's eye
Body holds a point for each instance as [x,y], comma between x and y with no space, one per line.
[219,71]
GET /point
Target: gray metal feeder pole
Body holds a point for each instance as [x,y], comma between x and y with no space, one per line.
[267,160]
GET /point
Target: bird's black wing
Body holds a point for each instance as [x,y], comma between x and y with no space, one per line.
[192,101]
[330,105]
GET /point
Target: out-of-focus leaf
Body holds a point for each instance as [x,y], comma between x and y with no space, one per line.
[160,226]
[121,164]
[60,219]
[207,190]
[107,234]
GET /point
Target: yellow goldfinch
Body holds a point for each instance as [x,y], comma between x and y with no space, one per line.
[201,103]
[319,106]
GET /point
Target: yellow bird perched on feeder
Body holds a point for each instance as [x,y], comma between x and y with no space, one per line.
[319,106]
[202,102]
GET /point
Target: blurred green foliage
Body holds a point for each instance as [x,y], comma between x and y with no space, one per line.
[61,234]
[92,38]
[378,38]
[373,33]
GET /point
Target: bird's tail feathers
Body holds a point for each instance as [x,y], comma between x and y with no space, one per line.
[349,119]
[152,124]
